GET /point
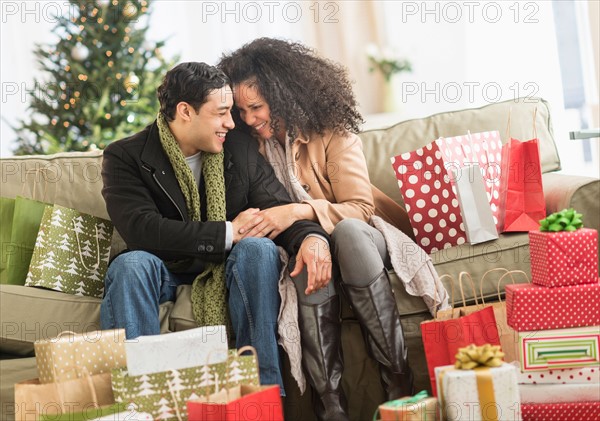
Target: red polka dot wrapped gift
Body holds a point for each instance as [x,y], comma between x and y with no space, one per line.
[563,252]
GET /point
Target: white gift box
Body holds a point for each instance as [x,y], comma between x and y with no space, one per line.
[559,393]
[458,393]
[173,351]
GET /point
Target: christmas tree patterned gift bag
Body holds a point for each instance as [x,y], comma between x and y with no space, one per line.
[71,252]
[165,394]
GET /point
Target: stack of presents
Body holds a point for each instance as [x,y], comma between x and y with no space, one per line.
[178,376]
[533,356]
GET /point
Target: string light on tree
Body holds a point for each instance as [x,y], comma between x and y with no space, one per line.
[129,10]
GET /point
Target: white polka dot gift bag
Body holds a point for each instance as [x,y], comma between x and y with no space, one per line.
[427,178]
[71,356]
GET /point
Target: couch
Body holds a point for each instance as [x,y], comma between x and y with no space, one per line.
[73,180]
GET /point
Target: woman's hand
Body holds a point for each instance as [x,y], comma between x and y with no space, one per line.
[247,218]
[276,220]
[314,253]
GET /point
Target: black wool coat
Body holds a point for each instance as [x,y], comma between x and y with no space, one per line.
[148,209]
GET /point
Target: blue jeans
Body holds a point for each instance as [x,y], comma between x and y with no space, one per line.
[135,284]
[252,274]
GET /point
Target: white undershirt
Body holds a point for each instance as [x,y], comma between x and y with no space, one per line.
[195,164]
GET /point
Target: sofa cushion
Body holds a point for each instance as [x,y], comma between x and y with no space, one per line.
[382,144]
[29,314]
[13,371]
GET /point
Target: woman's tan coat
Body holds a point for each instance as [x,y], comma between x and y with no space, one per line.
[333,171]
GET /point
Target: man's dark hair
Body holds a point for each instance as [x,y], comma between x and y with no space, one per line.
[190,82]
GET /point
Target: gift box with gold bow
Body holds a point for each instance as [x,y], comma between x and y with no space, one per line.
[563,253]
[479,386]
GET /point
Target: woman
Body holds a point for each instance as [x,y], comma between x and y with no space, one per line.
[302,110]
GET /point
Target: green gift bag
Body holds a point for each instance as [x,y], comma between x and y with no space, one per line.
[164,395]
[7,209]
[71,252]
[26,221]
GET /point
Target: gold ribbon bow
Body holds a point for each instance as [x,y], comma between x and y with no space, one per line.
[473,356]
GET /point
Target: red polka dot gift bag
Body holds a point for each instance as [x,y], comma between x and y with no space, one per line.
[451,189]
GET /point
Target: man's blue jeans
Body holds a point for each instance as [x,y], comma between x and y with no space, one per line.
[138,281]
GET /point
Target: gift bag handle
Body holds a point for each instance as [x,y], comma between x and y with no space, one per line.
[436,295]
[534,125]
[506,273]
[97,265]
[462,293]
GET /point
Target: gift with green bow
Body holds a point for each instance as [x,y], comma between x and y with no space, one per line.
[563,252]
[420,407]
[479,386]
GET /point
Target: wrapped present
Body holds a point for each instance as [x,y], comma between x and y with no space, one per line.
[188,348]
[559,348]
[533,307]
[70,356]
[563,253]
[164,395]
[416,408]
[573,411]
[480,386]
[71,252]
[559,393]
[581,375]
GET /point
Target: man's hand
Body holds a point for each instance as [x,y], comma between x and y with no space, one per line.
[314,253]
[249,217]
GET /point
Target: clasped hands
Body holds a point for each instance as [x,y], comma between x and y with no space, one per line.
[314,252]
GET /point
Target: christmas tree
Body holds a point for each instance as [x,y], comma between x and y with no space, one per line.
[99,81]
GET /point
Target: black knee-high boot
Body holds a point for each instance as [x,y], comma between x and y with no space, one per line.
[320,329]
[375,308]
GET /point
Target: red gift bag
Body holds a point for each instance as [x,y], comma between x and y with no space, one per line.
[244,402]
[442,338]
[521,192]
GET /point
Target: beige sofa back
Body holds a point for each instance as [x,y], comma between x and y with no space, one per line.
[70,179]
[382,144]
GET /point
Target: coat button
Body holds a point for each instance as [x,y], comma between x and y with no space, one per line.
[201,248]
[209,248]
[306,187]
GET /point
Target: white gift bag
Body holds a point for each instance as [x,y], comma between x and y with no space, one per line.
[474,207]
[173,351]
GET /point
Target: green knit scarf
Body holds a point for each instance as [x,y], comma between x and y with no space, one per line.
[209,293]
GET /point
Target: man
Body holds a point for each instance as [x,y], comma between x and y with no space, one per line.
[178,198]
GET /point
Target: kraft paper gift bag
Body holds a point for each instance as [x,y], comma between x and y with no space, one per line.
[509,341]
[188,348]
[523,203]
[164,395]
[34,400]
[71,252]
[70,355]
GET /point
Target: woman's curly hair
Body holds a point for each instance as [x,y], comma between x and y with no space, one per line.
[308,93]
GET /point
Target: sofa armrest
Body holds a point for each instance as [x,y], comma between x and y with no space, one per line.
[571,191]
